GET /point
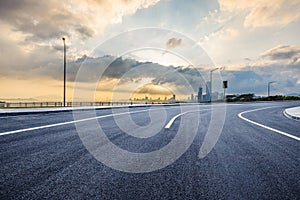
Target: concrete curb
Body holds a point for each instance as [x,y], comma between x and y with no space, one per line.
[292,113]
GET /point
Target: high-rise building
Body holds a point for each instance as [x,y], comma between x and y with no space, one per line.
[204,98]
[192,98]
[207,91]
[199,96]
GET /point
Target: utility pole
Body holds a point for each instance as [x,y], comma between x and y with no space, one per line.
[64,41]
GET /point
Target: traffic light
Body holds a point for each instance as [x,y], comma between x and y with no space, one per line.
[225,84]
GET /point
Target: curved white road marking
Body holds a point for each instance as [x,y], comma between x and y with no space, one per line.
[264,126]
[169,124]
[173,119]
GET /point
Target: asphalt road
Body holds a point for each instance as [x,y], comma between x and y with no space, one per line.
[247,162]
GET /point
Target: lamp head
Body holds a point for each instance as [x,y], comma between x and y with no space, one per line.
[214,69]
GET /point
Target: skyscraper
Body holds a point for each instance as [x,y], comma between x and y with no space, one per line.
[200,97]
[207,91]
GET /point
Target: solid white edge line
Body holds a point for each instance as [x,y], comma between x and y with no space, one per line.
[71,122]
[82,120]
[65,123]
[264,126]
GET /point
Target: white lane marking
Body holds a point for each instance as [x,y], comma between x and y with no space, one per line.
[75,121]
[264,126]
[169,124]
[66,123]
[173,119]
[72,122]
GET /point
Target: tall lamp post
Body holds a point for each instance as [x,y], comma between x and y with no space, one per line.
[269,83]
[64,41]
[211,71]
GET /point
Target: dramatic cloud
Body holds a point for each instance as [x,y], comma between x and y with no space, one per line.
[31,31]
[254,79]
[283,52]
[152,89]
[282,66]
[41,20]
[31,45]
[264,13]
[125,71]
[251,78]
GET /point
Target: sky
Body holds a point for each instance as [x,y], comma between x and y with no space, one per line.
[124,48]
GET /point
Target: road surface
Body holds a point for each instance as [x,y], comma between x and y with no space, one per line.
[42,156]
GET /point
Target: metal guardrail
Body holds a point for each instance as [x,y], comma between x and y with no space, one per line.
[59,104]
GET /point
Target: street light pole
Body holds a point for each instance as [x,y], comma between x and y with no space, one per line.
[64,41]
[211,71]
[269,83]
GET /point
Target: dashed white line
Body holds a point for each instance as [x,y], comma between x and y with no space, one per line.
[264,126]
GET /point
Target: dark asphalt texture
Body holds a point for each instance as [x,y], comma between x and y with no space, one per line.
[248,162]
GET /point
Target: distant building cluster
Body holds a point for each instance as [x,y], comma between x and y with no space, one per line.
[149,100]
[201,97]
